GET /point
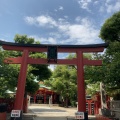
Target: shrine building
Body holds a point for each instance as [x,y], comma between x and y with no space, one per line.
[44,95]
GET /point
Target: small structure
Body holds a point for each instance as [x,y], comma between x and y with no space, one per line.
[115,108]
[45,95]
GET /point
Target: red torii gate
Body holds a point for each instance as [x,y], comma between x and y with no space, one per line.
[79,61]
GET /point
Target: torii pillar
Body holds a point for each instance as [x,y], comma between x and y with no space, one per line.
[80,82]
[79,61]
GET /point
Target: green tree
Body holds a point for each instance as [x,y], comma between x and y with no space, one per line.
[41,71]
[110,32]
[9,72]
[23,39]
[108,73]
[64,82]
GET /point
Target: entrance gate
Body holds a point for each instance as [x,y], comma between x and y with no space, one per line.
[52,51]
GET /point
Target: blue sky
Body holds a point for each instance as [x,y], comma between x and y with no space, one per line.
[56,21]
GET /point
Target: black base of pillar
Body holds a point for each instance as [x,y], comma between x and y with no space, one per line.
[86,116]
[17,118]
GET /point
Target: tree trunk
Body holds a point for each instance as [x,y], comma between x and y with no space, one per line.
[66,102]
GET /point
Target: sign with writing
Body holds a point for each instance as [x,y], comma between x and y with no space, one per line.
[79,115]
[15,113]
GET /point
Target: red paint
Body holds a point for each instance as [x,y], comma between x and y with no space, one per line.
[25,105]
[44,97]
[21,82]
[63,50]
[73,61]
[79,61]
[3,115]
[80,83]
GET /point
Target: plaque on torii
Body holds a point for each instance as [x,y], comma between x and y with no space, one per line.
[52,51]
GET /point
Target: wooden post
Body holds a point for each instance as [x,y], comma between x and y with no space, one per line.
[45,97]
[81,85]
[21,82]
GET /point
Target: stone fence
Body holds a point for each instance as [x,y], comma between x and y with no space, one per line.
[115,108]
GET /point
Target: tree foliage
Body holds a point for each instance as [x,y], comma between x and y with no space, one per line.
[63,82]
[23,39]
[109,71]
[110,31]
[9,72]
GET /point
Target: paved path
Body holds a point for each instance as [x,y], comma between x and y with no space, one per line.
[50,118]
[45,112]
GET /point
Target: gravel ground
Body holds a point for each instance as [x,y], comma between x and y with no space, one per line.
[45,112]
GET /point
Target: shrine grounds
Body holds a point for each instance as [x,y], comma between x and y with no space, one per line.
[46,111]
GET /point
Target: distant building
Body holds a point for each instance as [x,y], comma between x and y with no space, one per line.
[44,95]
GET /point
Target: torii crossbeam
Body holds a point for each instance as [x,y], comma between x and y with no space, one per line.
[79,61]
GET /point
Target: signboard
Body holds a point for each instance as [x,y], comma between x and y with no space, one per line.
[79,115]
[52,53]
[15,113]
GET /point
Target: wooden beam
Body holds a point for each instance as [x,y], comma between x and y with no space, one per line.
[92,62]
[21,48]
[30,60]
[17,60]
[39,61]
[59,50]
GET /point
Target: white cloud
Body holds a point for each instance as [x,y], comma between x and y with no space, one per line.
[2,39]
[49,40]
[61,8]
[82,33]
[30,20]
[52,40]
[112,7]
[78,19]
[101,9]
[41,21]
[84,4]
[55,35]
[96,2]
[108,1]
[66,16]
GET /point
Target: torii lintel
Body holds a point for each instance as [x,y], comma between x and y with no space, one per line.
[60,48]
